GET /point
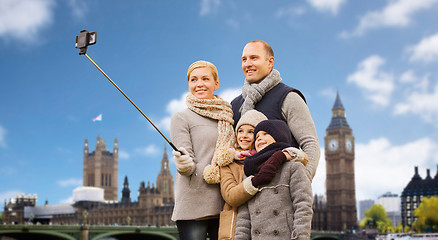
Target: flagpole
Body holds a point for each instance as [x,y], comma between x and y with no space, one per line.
[144,115]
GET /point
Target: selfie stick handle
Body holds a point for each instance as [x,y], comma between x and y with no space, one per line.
[144,115]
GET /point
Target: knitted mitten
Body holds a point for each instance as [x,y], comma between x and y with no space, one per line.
[183,162]
[268,169]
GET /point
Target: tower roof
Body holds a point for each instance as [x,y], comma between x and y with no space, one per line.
[338,115]
[419,186]
[338,103]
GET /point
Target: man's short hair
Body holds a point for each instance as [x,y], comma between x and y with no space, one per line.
[268,49]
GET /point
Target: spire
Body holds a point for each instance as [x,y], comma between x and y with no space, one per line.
[165,171]
[338,103]
[414,184]
[116,146]
[86,146]
[338,115]
[126,192]
[428,177]
[436,174]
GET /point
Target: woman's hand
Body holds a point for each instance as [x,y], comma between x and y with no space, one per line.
[183,162]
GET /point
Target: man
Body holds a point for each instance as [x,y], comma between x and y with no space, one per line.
[264,92]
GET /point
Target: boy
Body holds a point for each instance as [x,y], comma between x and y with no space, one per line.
[283,208]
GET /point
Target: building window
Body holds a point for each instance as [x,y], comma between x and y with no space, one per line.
[414,198]
[165,186]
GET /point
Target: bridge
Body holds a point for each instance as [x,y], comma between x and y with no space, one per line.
[95,232]
[92,232]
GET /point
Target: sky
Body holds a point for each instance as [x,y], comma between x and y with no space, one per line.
[380,56]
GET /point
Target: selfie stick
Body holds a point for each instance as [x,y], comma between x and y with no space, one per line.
[84,52]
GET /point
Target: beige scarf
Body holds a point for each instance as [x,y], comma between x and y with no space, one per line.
[220,110]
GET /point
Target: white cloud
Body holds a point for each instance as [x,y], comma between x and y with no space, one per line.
[229,94]
[148,150]
[397,13]
[67,200]
[208,6]
[290,13]
[9,195]
[233,24]
[327,5]
[426,50]
[330,93]
[410,78]
[70,182]
[24,19]
[376,84]
[78,8]
[123,154]
[421,103]
[8,171]
[318,183]
[382,167]
[2,137]
[176,105]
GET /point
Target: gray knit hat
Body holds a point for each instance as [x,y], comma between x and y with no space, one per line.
[251,117]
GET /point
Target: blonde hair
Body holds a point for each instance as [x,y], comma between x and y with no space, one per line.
[201,64]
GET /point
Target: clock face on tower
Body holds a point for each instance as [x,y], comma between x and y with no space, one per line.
[333,145]
[348,145]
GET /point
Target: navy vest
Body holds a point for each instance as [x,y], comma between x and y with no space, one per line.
[270,104]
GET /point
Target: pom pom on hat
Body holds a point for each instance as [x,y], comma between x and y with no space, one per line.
[278,129]
[251,117]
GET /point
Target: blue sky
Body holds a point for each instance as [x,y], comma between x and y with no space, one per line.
[380,55]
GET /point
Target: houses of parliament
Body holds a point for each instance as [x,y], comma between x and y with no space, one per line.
[96,202]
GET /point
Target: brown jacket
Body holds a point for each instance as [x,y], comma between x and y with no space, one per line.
[235,191]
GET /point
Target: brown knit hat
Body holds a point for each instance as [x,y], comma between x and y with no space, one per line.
[251,117]
[201,64]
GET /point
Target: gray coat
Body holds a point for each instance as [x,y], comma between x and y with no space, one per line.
[194,198]
[281,210]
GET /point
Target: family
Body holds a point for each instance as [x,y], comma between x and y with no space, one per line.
[244,170]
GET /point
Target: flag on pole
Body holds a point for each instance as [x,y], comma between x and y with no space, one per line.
[98,118]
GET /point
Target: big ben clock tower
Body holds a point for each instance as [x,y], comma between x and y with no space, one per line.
[340,184]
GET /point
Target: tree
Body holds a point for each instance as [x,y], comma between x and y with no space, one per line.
[376,217]
[427,215]
[398,228]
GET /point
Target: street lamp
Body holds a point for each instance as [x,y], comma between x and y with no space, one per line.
[85,214]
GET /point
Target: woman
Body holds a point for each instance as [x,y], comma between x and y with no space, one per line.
[206,125]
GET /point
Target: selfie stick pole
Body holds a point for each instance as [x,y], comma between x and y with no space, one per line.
[144,115]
